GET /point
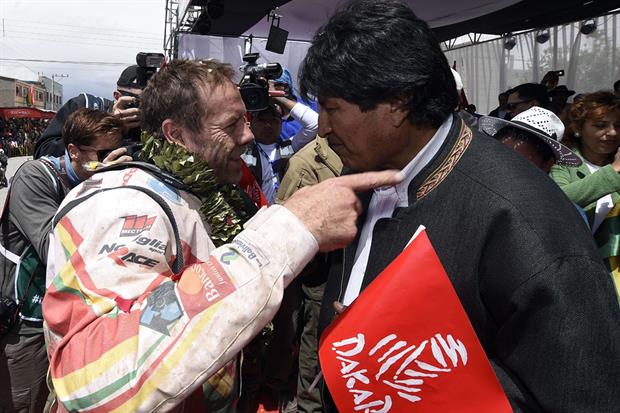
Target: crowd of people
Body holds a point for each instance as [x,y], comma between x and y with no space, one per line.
[19,135]
[199,273]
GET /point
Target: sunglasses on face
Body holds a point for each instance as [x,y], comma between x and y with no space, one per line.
[101,153]
[513,105]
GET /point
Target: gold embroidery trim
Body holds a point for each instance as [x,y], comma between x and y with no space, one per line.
[439,174]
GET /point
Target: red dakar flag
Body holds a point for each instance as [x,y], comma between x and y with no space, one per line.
[406,345]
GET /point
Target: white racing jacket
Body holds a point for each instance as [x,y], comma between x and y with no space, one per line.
[125,332]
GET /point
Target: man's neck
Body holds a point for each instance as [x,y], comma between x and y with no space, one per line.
[416,139]
[267,141]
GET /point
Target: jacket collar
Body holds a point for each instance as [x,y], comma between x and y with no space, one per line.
[321,148]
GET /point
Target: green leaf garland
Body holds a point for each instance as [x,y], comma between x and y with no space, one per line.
[222,205]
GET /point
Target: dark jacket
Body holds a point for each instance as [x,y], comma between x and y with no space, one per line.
[524,266]
[279,166]
[50,143]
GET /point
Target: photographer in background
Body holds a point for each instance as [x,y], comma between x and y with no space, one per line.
[123,107]
[290,126]
[559,98]
[37,190]
[525,96]
[267,156]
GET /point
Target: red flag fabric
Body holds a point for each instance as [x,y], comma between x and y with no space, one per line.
[406,345]
[251,187]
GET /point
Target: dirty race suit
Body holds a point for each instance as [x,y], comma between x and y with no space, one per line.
[125,332]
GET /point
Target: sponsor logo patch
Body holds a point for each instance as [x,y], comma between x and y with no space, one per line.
[168,192]
[121,255]
[203,285]
[228,257]
[136,224]
[242,247]
[162,309]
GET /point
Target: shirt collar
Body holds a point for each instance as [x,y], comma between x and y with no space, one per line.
[413,168]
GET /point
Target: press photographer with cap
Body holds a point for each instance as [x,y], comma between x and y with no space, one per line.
[268,155]
[123,107]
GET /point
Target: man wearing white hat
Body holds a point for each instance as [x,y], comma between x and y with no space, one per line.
[534,134]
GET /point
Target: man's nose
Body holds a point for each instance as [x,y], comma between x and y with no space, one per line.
[247,136]
[324,125]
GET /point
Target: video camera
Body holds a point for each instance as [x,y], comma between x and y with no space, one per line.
[254,86]
[148,64]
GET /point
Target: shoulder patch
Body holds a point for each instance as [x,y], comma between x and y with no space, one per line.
[167,191]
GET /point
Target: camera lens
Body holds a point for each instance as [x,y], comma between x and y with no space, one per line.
[253,98]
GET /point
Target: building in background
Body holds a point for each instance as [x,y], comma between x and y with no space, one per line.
[53,97]
[44,94]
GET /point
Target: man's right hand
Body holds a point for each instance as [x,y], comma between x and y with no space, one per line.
[130,117]
[330,209]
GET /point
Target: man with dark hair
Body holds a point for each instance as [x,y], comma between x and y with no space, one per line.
[617,87]
[268,155]
[521,261]
[500,111]
[524,96]
[559,98]
[123,107]
[159,276]
[535,134]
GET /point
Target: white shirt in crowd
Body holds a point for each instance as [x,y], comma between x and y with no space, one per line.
[383,203]
[309,121]
[603,205]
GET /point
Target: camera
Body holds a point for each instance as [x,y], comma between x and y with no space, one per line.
[254,86]
[9,312]
[136,100]
[148,64]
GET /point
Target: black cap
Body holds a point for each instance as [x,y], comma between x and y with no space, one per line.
[129,77]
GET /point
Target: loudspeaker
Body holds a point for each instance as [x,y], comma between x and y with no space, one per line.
[276,42]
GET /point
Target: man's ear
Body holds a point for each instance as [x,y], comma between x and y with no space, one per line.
[173,132]
[117,95]
[73,151]
[399,112]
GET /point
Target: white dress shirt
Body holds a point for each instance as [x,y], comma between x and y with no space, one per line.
[309,121]
[383,203]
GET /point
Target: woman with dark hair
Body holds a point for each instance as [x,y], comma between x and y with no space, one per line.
[593,133]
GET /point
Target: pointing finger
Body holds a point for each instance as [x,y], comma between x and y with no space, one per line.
[369,180]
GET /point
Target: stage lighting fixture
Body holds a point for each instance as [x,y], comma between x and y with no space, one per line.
[215,8]
[510,42]
[202,25]
[588,26]
[276,42]
[542,36]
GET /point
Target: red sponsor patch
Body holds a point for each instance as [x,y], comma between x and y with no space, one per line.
[202,285]
[136,224]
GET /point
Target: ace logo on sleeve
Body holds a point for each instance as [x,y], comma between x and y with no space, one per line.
[406,345]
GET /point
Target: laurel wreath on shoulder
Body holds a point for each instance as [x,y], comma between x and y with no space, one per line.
[222,205]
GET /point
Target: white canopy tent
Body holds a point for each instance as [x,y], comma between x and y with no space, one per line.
[487,68]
